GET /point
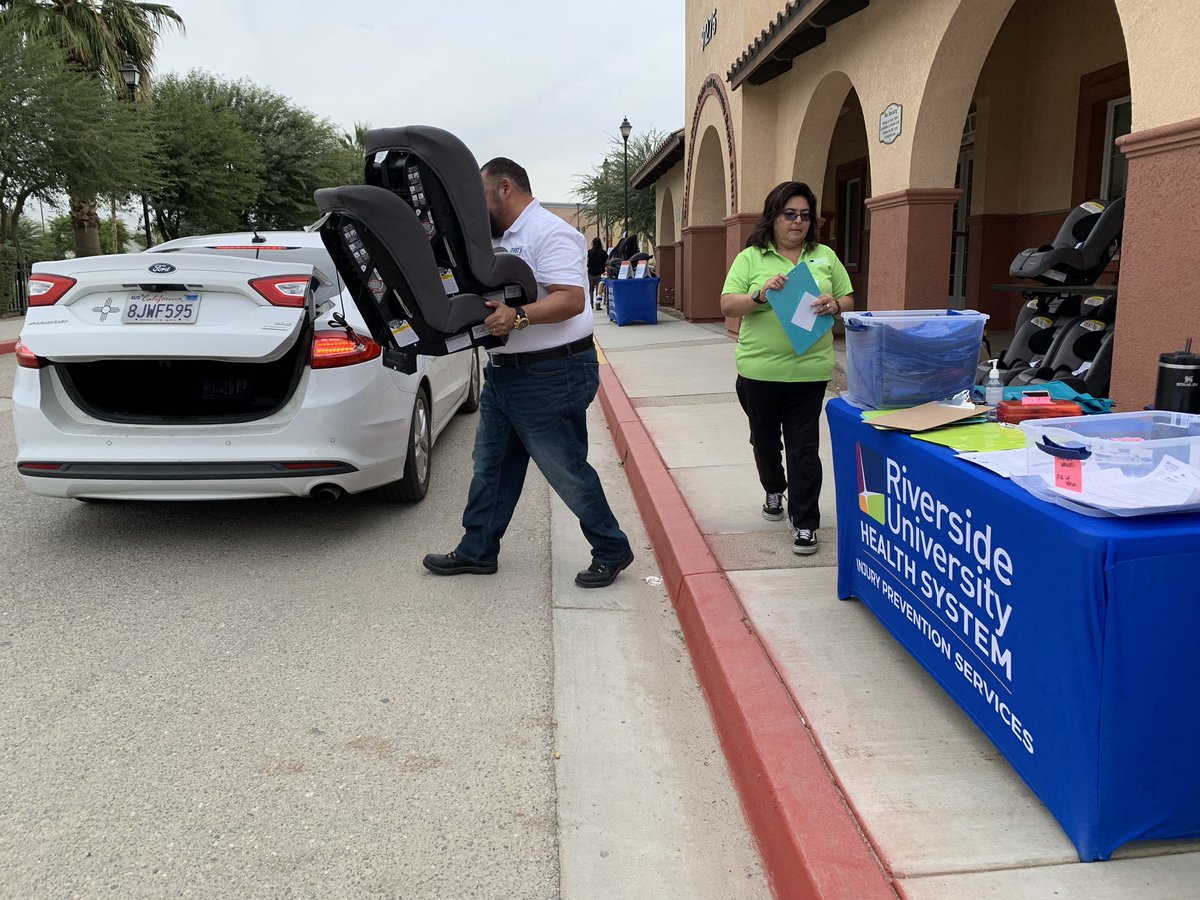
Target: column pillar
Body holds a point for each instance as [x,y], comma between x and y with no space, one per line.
[991,246]
[680,283]
[911,232]
[737,229]
[1156,309]
[704,271]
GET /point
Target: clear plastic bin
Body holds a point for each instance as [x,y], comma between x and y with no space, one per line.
[1134,442]
[906,357]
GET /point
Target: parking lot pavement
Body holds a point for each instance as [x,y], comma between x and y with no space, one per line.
[273,698]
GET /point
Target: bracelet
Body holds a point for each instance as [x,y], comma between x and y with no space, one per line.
[838,304]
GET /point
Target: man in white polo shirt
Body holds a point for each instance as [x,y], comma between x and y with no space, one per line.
[536,392]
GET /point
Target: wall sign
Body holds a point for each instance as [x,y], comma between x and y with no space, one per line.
[709,31]
[890,123]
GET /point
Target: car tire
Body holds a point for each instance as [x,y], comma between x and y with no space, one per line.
[417,461]
[475,386]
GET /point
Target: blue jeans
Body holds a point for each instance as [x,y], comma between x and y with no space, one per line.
[537,411]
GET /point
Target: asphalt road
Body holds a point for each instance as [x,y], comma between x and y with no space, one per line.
[273,699]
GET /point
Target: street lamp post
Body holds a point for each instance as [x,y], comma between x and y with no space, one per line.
[625,129]
[131,76]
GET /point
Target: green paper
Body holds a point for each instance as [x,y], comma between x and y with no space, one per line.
[980,438]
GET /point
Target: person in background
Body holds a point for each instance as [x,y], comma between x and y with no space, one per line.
[782,391]
[597,261]
[536,392]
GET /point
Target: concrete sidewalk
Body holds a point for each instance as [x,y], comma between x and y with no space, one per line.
[860,778]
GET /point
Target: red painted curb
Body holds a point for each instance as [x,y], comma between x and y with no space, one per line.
[810,842]
[7,347]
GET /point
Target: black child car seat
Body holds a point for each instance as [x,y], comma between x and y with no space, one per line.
[414,246]
[1086,243]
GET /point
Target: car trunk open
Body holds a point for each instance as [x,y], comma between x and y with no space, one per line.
[187,391]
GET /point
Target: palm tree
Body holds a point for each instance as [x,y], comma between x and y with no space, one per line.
[98,36]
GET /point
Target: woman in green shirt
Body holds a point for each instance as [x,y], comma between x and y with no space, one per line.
[780,390]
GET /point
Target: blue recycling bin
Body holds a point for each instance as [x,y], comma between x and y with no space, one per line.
[632,300]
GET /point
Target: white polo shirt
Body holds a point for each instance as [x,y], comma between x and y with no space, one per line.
[557,253]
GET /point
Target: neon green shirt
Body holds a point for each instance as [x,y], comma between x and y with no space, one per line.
[764,352]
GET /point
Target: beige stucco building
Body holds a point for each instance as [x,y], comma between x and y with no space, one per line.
[580,216]
[1009,113]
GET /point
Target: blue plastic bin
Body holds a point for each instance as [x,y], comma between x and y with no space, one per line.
[906,357]
[633,300]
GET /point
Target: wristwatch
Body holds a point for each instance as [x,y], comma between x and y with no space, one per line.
[522,319]
[757,297]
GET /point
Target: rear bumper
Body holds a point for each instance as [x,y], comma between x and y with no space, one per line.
[353,422]
[210,489]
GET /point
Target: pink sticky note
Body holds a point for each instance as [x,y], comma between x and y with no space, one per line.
[1068,474]
[1036,400]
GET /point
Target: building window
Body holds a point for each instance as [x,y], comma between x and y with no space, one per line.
[850,238]
[1118,123]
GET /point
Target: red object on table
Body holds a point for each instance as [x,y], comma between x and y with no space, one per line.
[1013,411]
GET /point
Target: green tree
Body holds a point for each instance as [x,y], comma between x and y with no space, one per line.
[236,155]
[35,241]
[354,148]
[209,165]
[60,128]
[98,37]
[57,242]
[604,187]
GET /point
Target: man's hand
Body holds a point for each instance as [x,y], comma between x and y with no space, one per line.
[502,319]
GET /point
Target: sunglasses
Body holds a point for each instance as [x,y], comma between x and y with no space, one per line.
[792,215]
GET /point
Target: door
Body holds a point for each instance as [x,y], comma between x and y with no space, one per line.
[850,234]
[964,175]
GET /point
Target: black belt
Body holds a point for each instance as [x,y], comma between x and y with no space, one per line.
[504,360]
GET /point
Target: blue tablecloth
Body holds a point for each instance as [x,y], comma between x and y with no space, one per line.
[1070,640]
[632,300]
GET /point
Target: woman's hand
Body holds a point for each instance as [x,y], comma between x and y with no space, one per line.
[774,283]
[825,305]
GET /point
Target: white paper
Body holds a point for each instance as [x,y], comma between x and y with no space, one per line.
[458,342]
[804,317]
[1170,485]
[1176,471]
[1005,463]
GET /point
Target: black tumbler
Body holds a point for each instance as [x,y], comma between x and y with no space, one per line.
[1179,381]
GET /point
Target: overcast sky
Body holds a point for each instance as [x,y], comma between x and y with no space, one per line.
[545,82]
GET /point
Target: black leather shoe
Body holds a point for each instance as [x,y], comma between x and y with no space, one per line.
[602,574]
[453,564]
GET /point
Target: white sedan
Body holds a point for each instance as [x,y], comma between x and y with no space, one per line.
[213,368]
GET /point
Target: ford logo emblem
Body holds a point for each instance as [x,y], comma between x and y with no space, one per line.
[162,268]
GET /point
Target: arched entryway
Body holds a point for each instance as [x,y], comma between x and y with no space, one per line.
[704,231]
[667,255]
[1025,138]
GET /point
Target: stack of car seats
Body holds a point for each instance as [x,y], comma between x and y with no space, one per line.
[414,246]
[1068,334]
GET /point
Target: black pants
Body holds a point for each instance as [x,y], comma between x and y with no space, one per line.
[791,410]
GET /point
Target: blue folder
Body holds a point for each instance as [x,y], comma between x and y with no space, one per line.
[800,287]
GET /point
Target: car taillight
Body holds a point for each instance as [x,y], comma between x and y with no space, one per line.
[46,290]
[331,349]
[26,358]
[282,290]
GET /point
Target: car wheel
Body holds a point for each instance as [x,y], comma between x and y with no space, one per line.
[475,388]
[417,462]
